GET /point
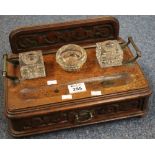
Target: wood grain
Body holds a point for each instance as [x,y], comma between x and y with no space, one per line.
[32,107]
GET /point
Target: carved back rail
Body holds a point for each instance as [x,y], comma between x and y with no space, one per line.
[53,36]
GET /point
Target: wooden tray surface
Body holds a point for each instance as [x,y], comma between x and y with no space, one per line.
[36,92]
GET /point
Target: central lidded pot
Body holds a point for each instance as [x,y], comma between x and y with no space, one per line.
[71,57]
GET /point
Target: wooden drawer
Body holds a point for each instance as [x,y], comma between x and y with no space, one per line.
[78,117]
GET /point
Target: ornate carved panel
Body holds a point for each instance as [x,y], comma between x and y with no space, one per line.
[50,36]
[61,118]
[119,107]
[40,121]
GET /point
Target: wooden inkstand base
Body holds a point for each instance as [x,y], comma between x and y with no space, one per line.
[33,107]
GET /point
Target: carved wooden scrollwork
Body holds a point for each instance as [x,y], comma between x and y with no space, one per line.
[119,107]
[40,121]
[49,37]
[54,38]
[68,116]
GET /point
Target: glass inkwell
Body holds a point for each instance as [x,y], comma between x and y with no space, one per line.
[109,53]
[71,57]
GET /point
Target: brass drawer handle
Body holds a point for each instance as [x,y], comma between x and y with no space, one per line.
[83,116]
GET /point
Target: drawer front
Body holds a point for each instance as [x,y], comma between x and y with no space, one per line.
[77,117]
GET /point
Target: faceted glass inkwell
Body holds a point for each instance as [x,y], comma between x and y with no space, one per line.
[109,53]
[71,57]
[31,65]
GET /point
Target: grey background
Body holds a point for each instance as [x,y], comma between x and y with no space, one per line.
[142,28]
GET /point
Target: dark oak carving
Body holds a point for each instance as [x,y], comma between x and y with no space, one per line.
[69,116]
[49,37]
